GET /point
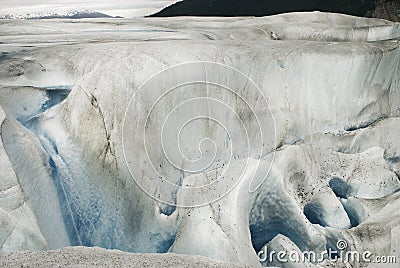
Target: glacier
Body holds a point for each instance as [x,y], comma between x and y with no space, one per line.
[79,97]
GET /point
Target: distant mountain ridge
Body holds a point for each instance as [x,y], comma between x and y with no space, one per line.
[263,7]
[72,14]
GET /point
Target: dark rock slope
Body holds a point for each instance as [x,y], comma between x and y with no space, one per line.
[263,7]
[386,9]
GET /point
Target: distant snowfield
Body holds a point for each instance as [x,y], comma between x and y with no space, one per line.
[211,137]
[72,14]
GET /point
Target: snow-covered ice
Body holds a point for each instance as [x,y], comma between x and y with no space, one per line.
[325,87]
[98,257]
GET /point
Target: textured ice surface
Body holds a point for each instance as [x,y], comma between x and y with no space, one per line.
[19,228]
[98,257]
[332,85]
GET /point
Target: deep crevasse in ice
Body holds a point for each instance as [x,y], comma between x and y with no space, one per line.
[332,83]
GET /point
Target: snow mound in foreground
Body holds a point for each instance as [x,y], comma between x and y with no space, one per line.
[98,257]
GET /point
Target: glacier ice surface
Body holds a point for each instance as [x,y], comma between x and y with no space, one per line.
[332,85]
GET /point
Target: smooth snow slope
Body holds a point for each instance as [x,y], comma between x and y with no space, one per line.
[326,90]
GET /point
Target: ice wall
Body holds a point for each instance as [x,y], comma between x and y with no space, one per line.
[19,226]
[325,86]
